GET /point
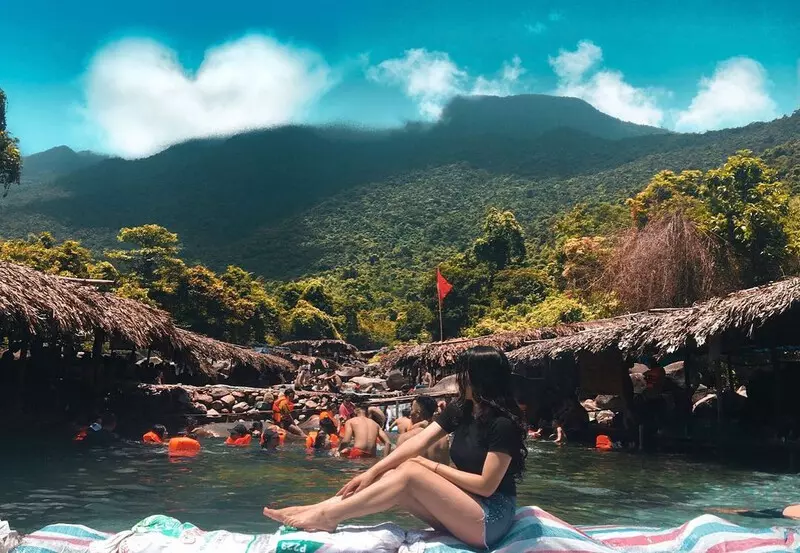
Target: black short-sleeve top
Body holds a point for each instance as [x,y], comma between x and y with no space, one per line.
[474,439]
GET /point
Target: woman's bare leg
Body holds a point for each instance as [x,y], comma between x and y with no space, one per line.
[410,486]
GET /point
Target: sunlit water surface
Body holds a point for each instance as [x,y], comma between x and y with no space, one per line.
[112,489]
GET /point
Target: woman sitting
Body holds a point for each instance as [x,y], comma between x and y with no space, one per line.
[475,501]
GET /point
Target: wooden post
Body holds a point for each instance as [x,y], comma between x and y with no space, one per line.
[687,382]
[441,324]
[714,353]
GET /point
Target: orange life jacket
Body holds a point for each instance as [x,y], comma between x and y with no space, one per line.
[183,446]
[152,438]
[278,405]
[241,441]
[603,443]
[333,439]
[81,435]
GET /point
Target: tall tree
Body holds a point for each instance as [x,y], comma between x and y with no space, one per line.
[154,250]
[10,160]
[503,240]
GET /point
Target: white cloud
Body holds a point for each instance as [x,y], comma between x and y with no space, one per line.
[431,79]
[536,28]
[735,95]
[606,90]
[143,100]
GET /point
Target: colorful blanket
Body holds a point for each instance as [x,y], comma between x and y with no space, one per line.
[534,530]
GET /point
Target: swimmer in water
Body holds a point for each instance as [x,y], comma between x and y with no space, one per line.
[256,428]
[185,444]
[329,439]
[364,433]
[157,435]
[239,437]
[423,409]
[790,512]
[282,413]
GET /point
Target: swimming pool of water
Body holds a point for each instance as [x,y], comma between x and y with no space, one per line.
[226,488]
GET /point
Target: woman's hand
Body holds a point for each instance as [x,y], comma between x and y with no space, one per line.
[357,484]
[427,463]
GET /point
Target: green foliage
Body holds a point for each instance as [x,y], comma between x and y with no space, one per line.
[412,324]
[502,242]
[44,254]
[10,160]
[154,249]
[306,322]
[517,286]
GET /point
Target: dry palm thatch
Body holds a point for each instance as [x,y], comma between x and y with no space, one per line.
[668,263]
[661,332]
[202,352]
[436,355]
[327,346]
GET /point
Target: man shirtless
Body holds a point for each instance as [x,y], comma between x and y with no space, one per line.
[404,423]
[423,410]
[364,433]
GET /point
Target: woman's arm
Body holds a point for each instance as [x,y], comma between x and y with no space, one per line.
[408,450]
[484,484]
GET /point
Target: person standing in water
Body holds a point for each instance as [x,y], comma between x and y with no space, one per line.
[364,433]
[423,410]
[475,501]
[404,423]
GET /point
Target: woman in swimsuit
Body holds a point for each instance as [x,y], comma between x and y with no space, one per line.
[475,500]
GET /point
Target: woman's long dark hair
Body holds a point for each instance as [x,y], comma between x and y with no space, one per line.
[487,372]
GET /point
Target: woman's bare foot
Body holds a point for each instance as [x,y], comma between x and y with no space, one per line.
[312,520]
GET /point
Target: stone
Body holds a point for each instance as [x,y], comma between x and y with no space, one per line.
[605,418]
[212,413]
[219,393]
[269,398]
[311,404]
[199,409]
[217,405]
[590,405]
[205,399]
[263,406]
[225,411]
[253,412]
[229,400]
[301,418]
[241,407]
[258,399]
[238,395]
[609,403]
[395,381]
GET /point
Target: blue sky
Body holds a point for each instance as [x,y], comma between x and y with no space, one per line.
[134,77]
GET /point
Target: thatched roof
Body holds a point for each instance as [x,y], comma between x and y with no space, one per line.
[202,351]
[44,305]
[661,332]
[328,346]
[436,355]
[47,306]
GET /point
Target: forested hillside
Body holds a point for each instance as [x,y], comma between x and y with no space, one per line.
[297,200]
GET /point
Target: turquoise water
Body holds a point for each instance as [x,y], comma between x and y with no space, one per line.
[226,488]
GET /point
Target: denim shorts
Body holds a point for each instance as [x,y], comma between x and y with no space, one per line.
[498,516]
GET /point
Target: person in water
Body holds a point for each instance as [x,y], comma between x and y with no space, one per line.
[330,433]
[347,410]
[239,437]
[423,409]
[790,512]
[364,434]
[185,444]
[282,413]
[404,423]
[558,431]
[104,435]
[156,435]
[475,501]
[256,428]
[428,380]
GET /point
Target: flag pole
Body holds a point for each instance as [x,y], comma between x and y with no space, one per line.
[441,326]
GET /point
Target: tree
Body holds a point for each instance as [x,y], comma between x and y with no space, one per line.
[10,159]
[502,242]
[154,250]
[306,322]
[43,253]
[749,209]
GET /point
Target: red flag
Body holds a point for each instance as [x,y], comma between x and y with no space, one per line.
[442,285]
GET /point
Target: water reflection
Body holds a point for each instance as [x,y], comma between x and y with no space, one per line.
[224,488]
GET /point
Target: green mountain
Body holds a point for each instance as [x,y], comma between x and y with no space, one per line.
[293,200]
[56,162]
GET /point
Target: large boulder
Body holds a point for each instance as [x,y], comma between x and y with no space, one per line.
[374,383]
[448,385]
[239,395]
[639,383]
[199,409]
[181,397]
[311,404]
[241,407]
[590,405]
[229,400]
[395,381]
[212,413]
